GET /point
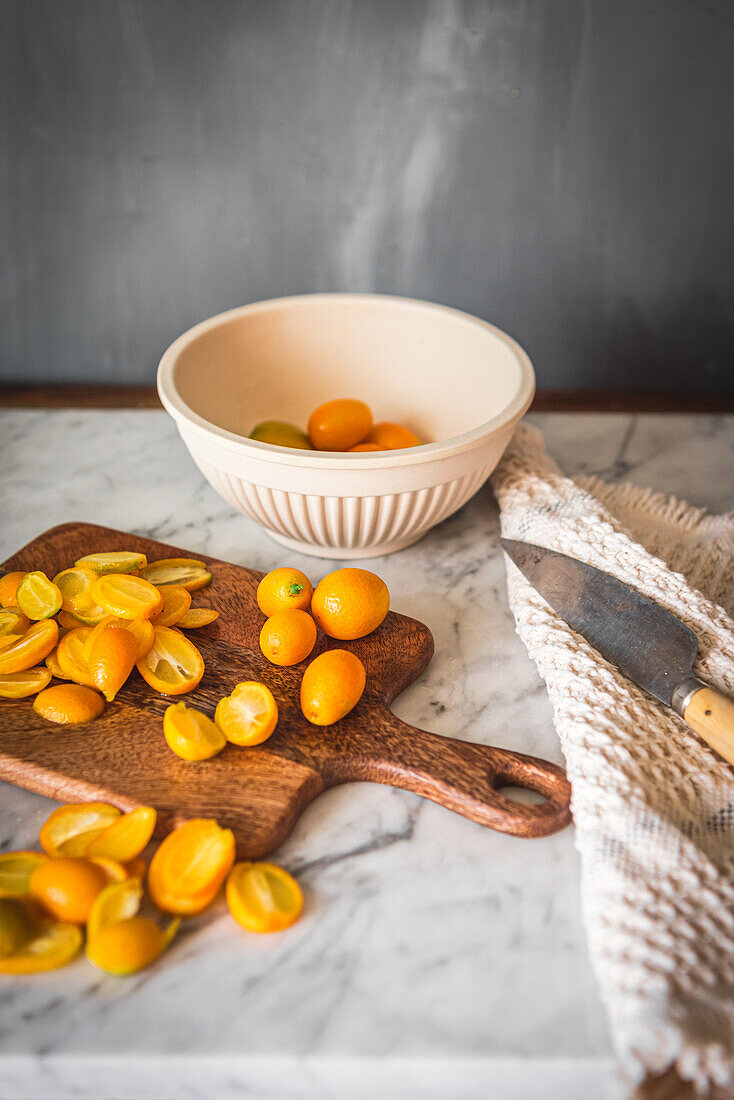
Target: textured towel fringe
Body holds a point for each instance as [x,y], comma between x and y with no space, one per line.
[653,804]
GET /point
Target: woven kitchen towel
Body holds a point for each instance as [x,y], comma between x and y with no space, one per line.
[653,805]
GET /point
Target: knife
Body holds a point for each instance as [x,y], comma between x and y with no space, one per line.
[647,644]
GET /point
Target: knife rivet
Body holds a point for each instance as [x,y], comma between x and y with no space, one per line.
[707,713]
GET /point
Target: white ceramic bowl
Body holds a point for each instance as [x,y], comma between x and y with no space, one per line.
[453,379]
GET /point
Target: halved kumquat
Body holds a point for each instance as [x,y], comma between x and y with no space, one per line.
[19,685]
[16,869]
[126,596]
[68,704]
[141,630]
[113,561]
[38,597]
[118,901]
[176,602]
[190,573]
[191,734]
[70,654]
[9,587]
[77,821]
[174,665]
[75,586]
[127,946]
[249,715]
[32,647]
[113,869]
[190,866]
[13,621]
[263,897]
[126,837]
[112,656]
[17,925]
[196,617]
[53,945]
[52,664]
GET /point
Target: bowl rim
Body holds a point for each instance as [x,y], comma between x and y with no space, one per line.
[443,448]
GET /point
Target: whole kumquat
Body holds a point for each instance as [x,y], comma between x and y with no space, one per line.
[392,437]
[279,433]
[362,447]
[68,704]
[288,637]
[66,887]
[339,425]
[332,685]
[350,603]
[282,589]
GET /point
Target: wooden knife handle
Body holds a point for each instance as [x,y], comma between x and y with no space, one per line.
[461,775]
[709,713]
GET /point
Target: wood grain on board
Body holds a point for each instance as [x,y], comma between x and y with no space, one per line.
[122,757]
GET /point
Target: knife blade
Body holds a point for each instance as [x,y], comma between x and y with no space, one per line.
[648,644]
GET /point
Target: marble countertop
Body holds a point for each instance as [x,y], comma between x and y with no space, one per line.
[435,958]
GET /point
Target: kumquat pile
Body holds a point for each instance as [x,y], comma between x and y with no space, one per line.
[341,425]
[90,878]
[91,626]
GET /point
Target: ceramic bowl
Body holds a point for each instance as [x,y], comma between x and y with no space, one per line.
[453,379]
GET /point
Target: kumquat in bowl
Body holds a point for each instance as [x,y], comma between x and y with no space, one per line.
[346,425]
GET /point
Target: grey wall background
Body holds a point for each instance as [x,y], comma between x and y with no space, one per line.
[564,168]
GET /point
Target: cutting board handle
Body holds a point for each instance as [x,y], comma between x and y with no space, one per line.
[463,776]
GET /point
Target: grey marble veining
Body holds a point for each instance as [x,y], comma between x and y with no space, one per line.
[435,958]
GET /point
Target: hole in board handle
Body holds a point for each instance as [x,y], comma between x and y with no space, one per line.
[522,795]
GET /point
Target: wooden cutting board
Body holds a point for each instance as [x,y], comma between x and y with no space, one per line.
[260,792]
